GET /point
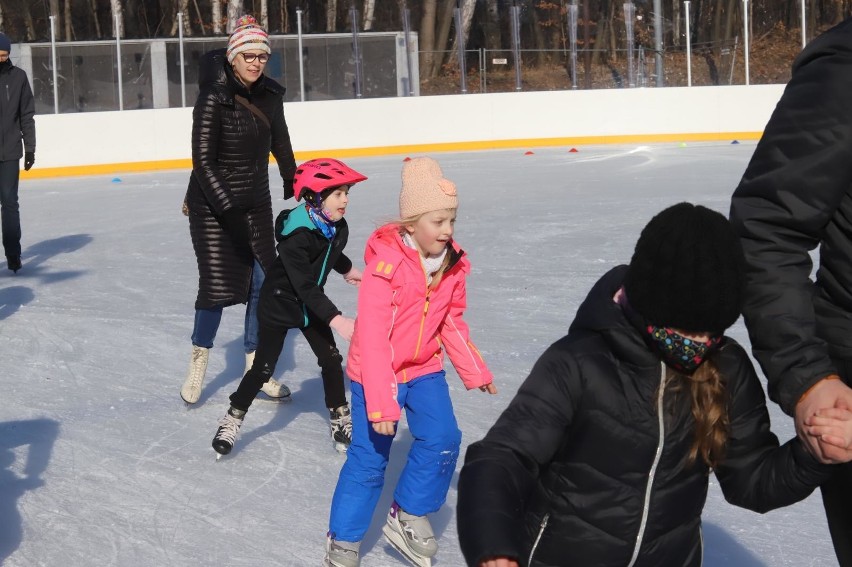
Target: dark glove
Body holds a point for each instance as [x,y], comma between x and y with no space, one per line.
[288,190]
[29,160]
[237,224]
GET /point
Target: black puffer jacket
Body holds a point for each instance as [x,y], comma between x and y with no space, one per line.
[795,195]
[230,170]
[16,113]
[292,293]
[567,466]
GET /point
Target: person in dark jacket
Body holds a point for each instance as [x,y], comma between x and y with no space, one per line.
[603,456]
[17,125]
[795,196]
[238,120]
[311,242]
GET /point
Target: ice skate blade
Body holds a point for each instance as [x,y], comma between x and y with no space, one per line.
[264,397]
[341,447]
[397,542]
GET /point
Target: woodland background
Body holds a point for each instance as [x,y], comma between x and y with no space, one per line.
[716,29]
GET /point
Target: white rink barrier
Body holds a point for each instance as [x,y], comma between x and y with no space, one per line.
[141,140]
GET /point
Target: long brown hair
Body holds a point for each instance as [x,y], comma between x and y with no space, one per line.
[709,406]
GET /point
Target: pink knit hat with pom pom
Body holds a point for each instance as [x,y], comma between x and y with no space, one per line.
[424,189]
[248,35]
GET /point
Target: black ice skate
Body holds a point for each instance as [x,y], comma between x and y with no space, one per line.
[341,427]
[229,428]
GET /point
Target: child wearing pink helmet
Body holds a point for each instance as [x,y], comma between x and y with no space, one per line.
[311,239]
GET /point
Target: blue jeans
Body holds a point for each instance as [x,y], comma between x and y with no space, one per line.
[9,210]
[207,320]
[423,485]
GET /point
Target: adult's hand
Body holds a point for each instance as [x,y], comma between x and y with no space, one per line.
[830,392]
[29,160]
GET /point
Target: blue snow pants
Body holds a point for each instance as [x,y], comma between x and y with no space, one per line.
[425,480]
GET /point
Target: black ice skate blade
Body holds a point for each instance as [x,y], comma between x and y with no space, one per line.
[262,397]
[411,557]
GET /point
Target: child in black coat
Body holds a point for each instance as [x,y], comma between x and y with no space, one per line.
[311,241]
[603,456]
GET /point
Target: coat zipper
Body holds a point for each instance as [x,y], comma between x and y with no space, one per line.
[660,442]
[322,273]
[422,323]
[541,528]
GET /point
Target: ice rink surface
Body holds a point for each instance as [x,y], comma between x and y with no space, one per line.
[102,464]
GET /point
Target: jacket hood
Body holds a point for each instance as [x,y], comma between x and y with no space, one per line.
[388,236]
[599,314]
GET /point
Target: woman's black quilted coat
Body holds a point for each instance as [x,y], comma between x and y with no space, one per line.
[230,170]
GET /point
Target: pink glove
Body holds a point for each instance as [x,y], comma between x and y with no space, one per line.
[343,325]
[353,276]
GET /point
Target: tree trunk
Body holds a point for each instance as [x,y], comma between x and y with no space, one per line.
[69,23]
[117,14]
[200,17]
[369,14]
[466,18]
[538,36]
[264,14]
[57,18]
[676,23]
[442,39]
[587,46]
[216,16]
[181,7]
[235,10]
[492,25]
[94,12]
[427,38]
[285,20]
[331,16]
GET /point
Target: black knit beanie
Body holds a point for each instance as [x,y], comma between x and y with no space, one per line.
[687,271]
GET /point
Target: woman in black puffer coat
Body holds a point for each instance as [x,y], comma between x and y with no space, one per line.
[238,120]
[603,456]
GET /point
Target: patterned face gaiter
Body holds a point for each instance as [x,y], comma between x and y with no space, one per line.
[678,352]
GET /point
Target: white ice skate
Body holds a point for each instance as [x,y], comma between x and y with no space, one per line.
[191,390]
[274,390]
[411,535]
[341,553]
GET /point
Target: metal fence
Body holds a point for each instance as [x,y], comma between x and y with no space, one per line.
[163,73]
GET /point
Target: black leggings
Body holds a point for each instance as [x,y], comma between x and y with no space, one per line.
[270,343]
[837,495]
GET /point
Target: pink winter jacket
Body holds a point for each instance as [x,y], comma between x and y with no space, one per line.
[402,325]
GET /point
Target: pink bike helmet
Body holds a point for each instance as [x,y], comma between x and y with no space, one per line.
[317,175]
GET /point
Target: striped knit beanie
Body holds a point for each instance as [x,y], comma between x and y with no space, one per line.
[424,189]
[248,35]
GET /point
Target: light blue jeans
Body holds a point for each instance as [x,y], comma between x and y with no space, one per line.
[207,320]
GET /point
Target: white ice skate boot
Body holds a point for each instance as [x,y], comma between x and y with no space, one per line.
[341,553]
[341,427]
[411,535]
[229,428]
[272,388]
[191,390]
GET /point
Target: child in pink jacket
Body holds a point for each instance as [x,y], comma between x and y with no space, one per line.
[410,308]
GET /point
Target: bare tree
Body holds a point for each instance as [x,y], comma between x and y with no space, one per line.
[427,37]
[69,23]
[331,16]
[264,14]
[53,6]
[235,10]
[181,7]
[369,14]
[216,16]
[117,13]
[94,12]
[467,7]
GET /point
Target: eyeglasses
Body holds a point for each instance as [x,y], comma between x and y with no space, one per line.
[250,57]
